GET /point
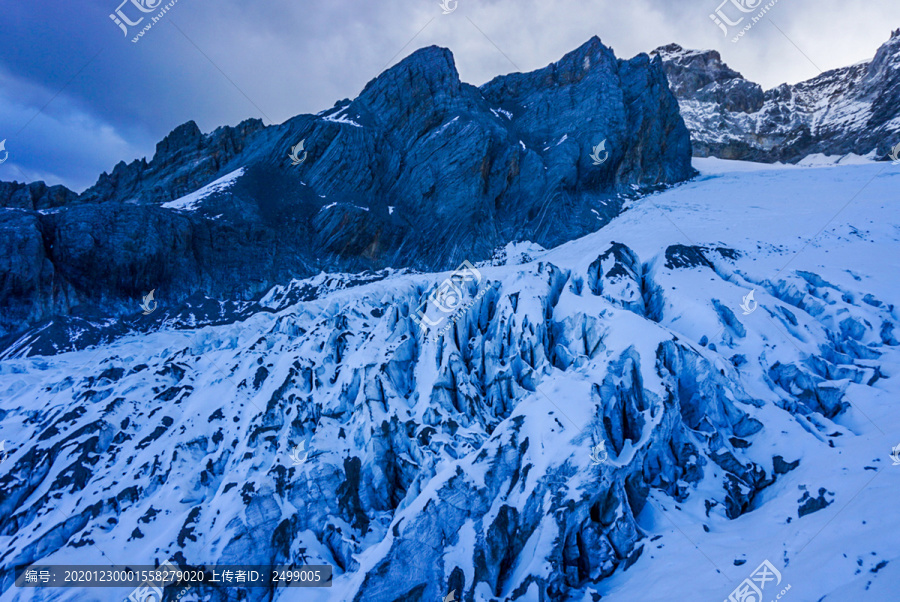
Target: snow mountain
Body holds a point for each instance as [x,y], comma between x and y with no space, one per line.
[614,418]
[852,110]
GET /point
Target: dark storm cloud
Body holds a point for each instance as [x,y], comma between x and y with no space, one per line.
[78,96]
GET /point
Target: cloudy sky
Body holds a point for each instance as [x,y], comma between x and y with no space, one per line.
[77,96]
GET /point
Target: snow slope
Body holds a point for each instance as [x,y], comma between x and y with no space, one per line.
[191,202]
[464,462]
[772,215]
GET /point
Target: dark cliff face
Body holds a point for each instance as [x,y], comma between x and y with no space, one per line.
[421,170]
[848,110]
[34,196]
[702,76]
[184,161]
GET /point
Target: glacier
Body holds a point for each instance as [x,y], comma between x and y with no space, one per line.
[463,463]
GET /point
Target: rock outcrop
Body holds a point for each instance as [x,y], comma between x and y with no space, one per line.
[421,170]
[854,109]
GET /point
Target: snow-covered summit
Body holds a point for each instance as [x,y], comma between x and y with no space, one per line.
[853,109]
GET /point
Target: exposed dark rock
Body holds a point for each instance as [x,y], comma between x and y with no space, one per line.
[782,467]
[617,275]
[35,196]
[683,256]
[421,170]
[809,504]
[733,118]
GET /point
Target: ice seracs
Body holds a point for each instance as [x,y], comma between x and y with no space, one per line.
[730,437]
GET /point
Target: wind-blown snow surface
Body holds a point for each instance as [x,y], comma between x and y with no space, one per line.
[465,463]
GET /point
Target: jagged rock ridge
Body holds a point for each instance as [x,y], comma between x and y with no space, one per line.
[853,109]
[421,170]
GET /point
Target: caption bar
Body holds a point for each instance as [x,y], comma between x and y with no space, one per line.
[168,575]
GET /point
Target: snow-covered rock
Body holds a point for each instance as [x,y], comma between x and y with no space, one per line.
[469,462]
[844,113]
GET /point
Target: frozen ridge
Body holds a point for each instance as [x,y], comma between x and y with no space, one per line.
[465,463]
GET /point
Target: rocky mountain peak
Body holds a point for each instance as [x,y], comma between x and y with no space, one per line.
[839,112]
[35,196]
[432,67]
[420,171]
[707,61]
[590,59]
[186,136]
[702,75]
[883,67]
[583,60]
[427,72]
[184,160]
[410,97]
